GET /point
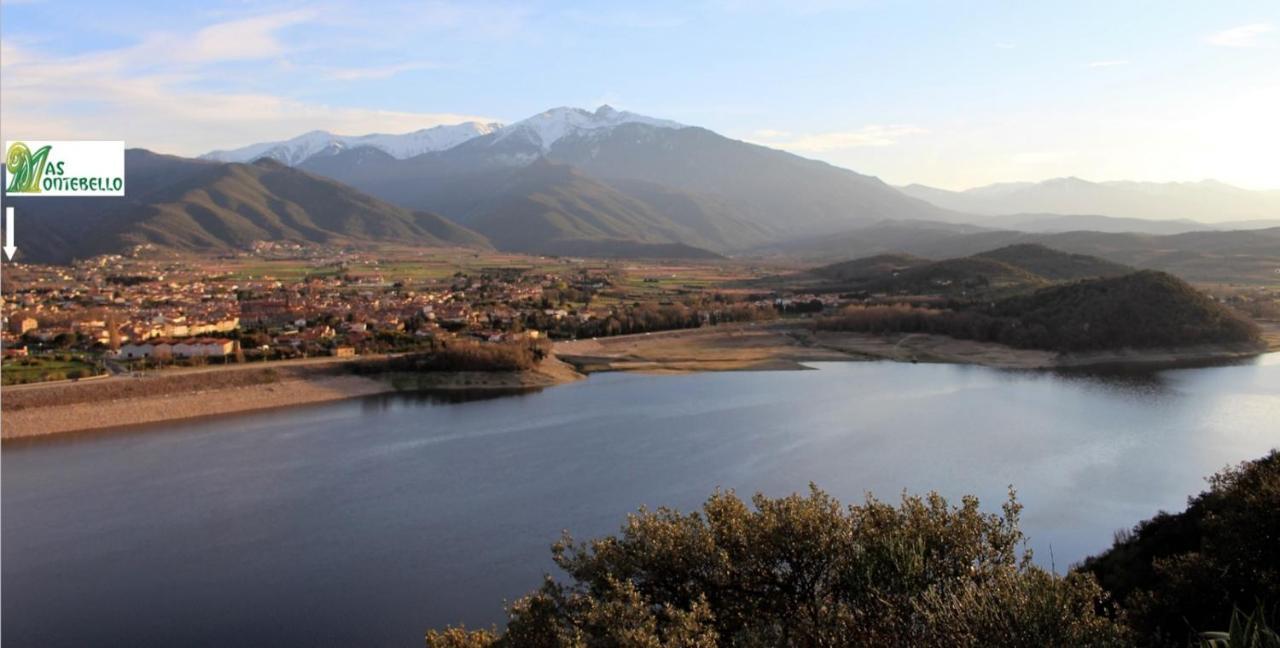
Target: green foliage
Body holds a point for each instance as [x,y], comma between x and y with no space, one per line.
[1140,310]
[1247,630]
[806,571]
[460,638]
[1178,573]
[463,356]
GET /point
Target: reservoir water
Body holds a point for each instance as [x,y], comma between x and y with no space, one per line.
[365,522]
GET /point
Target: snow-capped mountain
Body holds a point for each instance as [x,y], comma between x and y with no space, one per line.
[528,138]
[294,151]
[546,128]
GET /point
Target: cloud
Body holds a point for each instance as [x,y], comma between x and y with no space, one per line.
[1243,36]
[872,135]
[1108,63]
[161,103]
[241,40]
[377,71]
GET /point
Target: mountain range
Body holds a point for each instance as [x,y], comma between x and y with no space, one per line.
[1207,201]
[680,184]
[577,182]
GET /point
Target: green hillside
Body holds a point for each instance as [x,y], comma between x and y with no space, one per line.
[1053,264]
[195,205]
[1142,309]
[1146,309]
[1001,272]
[870,268]
[902,274]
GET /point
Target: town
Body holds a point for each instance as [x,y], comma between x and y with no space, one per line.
[280,301]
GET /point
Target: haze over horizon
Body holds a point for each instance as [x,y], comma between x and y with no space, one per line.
[924,92]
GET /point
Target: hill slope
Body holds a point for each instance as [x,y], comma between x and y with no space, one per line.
[1054,265]
[1145,309]
[869,268]
[1003,271]
[964,277]
[784,193]
[551,208]
[1139,310]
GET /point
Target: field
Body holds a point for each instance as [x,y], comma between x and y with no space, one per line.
[390,264]
[20,371]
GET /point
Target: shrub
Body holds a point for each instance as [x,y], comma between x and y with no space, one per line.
[461,355]
[1177,574]
[806,571]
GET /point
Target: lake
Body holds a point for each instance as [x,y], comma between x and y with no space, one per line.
[365,522]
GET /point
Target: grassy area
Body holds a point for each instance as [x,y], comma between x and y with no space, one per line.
[20,371]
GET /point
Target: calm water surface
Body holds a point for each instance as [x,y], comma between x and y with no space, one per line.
[365,522]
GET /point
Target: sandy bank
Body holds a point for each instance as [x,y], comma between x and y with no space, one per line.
[731,347]
[784,345]
[157,397]
[75,417]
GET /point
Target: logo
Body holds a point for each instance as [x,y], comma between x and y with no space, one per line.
[70,168]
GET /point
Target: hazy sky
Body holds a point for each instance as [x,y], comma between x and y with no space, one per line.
[949,93]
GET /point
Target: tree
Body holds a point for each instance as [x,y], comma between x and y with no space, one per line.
[1184,573]
[113,331]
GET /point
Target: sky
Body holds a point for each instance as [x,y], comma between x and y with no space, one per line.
[945,93]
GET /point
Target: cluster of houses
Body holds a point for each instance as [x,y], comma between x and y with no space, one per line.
[163,349]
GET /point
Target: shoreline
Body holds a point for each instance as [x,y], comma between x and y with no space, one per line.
[59,409]
[787,345]
[122,401]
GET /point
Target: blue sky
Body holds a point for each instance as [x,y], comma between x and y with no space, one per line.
[953,94]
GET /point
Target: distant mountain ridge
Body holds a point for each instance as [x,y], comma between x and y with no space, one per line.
[1207,201]
[1251,255]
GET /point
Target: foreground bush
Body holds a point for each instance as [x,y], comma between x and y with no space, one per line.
[1180,574]
[806,571]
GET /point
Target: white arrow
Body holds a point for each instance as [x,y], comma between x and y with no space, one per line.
[9,248]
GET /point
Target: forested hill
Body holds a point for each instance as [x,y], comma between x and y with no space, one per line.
[1141,310]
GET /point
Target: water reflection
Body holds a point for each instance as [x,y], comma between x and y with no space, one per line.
[383,402]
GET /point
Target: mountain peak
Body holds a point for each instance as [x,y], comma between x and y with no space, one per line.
[547,127]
